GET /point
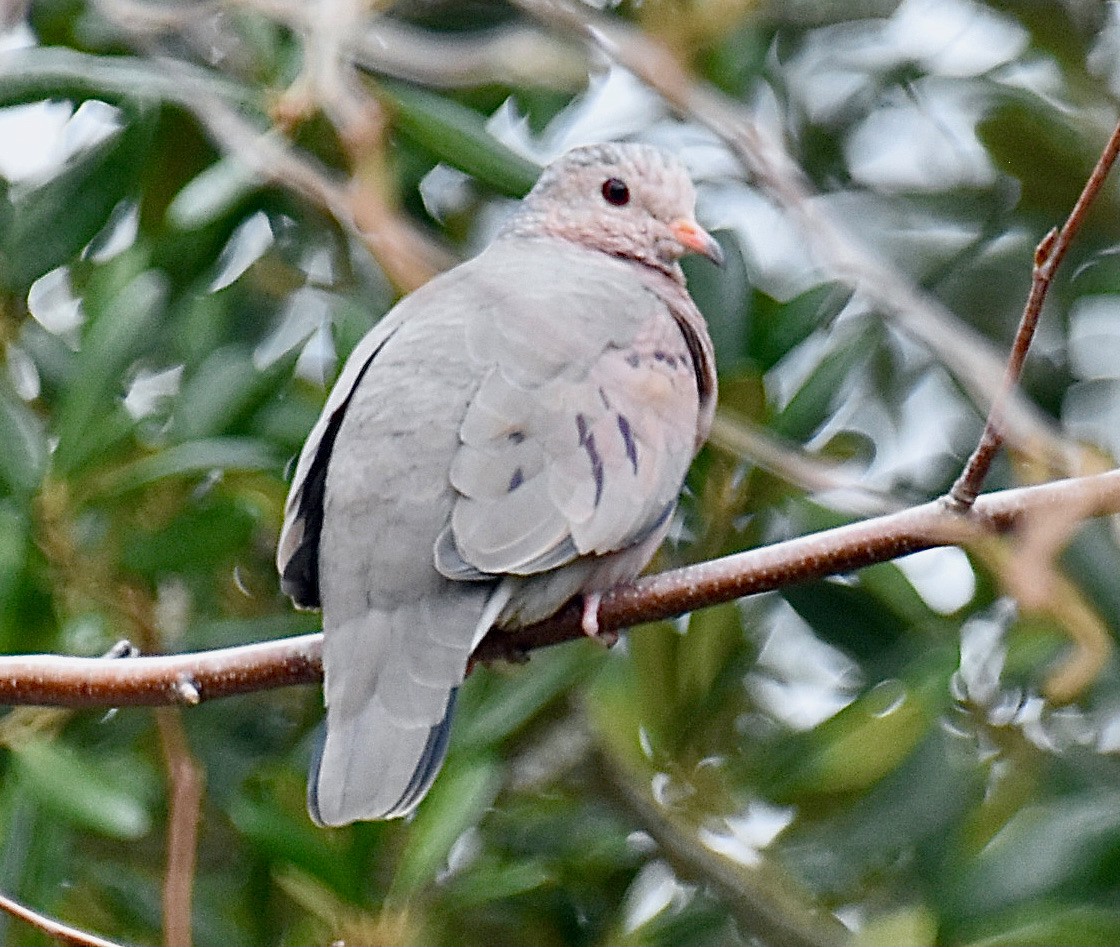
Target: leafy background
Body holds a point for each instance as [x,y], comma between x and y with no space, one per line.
[876,759]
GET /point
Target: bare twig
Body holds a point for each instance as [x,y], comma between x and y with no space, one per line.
[187,679]
[506,55]
[187,782]
[1047,258]
[52,928]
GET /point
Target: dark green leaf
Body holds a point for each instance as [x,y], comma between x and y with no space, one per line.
[457,135]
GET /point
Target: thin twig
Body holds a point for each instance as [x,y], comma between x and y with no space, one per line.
[184,808]
[52,928]
[1048,257]
[136,612]
[54,680]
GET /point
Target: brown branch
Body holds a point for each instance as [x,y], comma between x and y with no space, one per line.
[52,928]
[1048,257]
[187,783]
[187,679]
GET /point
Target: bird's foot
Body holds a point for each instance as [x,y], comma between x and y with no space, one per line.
[590,620]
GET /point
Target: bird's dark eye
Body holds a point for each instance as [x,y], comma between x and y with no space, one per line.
[616,192]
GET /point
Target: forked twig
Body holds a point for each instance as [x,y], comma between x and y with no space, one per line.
[1048,257]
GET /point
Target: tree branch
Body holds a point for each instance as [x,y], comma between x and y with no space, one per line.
[55,680]
[1048,257]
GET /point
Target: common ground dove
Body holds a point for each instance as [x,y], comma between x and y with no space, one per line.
[512,434]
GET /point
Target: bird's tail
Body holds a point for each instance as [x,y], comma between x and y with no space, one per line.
[427,767]
[391,677]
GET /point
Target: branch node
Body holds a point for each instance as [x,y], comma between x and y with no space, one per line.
[1045,248]
[959,499]
[186,691]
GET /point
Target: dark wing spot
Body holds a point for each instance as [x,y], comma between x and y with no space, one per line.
[627,433]
[517,479]
[596,466]
[659,356]
[587,442]
[603,397]
[516,437]
[633,360]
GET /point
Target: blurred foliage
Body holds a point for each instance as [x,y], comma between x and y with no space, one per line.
[868,759]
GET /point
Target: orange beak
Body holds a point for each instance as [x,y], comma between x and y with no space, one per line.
[696,239]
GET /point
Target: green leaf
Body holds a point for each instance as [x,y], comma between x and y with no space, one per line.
[614,714]
[191,459]
[195,541]
[857,747]
[776,328]
[1043,850]
[465,787]
[109,344]
[211,194]
[52,222]
[81,791]
[494,704]
[846,616]
[914,926]
[458,135]
[297,841]
[224,386]
[652,655]
[490,881]
[1046,923]
[24,456]
[809,408]
[715,637]
[50,72]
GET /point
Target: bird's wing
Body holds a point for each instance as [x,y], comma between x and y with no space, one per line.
[297,552]
[582,430]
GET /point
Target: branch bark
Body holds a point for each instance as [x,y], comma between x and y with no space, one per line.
[187,679]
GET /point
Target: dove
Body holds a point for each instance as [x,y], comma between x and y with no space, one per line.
[514,433]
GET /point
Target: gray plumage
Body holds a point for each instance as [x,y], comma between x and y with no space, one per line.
[512,434]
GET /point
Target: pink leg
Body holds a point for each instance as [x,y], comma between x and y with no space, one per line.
[590,621]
